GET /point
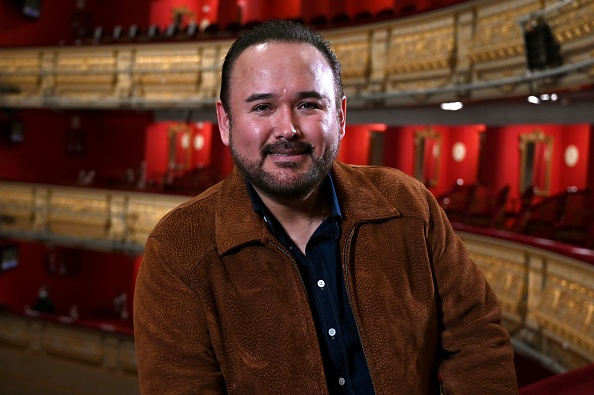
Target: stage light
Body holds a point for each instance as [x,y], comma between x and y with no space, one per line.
[542,50]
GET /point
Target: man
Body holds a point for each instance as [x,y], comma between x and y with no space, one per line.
[302,275]
[44,303]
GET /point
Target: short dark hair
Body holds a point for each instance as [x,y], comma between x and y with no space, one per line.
[280,31]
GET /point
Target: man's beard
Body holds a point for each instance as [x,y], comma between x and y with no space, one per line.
[293,187]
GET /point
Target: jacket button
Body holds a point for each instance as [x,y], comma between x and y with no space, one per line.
[341,381]
[321,283]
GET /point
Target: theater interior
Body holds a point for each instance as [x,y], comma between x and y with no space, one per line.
[107,121]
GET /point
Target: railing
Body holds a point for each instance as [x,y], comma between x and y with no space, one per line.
[56,356]
[104,219]
[546,288]
[471,51]
[546,291]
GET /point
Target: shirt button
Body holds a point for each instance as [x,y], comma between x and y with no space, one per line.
[332,332]
[341,381]
[321,283]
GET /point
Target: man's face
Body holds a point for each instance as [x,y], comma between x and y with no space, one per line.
[283,128]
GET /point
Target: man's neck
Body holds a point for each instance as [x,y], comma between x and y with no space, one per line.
[298,217]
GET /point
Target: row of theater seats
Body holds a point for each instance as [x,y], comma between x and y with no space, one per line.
[192,30]
[567,217]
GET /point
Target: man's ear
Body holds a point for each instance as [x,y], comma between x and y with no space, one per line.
[224,123]
[342,116]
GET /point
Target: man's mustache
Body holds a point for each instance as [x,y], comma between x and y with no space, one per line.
[302,147]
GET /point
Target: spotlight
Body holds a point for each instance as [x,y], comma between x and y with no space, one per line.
[533,100]
[542,50]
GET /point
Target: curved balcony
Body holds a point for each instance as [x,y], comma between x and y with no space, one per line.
[474,51]
[56,355]
[97,219]
[546,288]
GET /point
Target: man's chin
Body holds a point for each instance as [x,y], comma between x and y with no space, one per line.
[286,184]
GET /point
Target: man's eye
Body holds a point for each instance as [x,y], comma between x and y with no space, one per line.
[261,108]
[308,105]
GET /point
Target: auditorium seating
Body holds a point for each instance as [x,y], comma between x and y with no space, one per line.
[456,201]
[514,218]
[567,217]
[485,209]
[541,217]
[575,382]
[475,204]
[575,223]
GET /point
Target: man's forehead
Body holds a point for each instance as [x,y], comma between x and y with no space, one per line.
[310,53]
[263,58]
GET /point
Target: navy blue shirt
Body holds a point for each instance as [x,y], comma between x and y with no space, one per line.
[344,361]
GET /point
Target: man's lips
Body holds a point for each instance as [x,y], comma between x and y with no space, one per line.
[288,153]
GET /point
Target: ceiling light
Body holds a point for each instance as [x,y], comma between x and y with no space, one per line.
[453,106]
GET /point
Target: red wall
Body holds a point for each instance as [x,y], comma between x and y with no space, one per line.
[467,168]
[578,136]
[193,155]
[499,156]
[54,25]
[113,142]
[109,13]
[500,159]
[160,11]
[94,278]
[315,8]
[222,162]
[371,6]
[355,145]
[399,148]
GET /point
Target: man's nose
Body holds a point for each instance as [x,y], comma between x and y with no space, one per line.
[286,124]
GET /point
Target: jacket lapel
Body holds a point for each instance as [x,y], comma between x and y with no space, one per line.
[359,198]
[236,223]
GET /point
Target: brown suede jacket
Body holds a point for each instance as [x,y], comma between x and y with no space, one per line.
[220,306]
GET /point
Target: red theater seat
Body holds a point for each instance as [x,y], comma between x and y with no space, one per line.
[575,382]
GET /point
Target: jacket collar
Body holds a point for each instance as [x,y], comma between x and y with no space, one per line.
[237,224]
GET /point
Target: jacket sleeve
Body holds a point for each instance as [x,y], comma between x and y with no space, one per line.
[173,348]
[477,354]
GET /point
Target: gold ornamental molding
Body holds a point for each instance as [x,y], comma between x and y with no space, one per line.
[547,299]
[81,216]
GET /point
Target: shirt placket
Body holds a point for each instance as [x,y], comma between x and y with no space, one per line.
[329,312]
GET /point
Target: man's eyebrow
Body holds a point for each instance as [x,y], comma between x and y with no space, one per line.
[259,96]
[311,94]
[300,95]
